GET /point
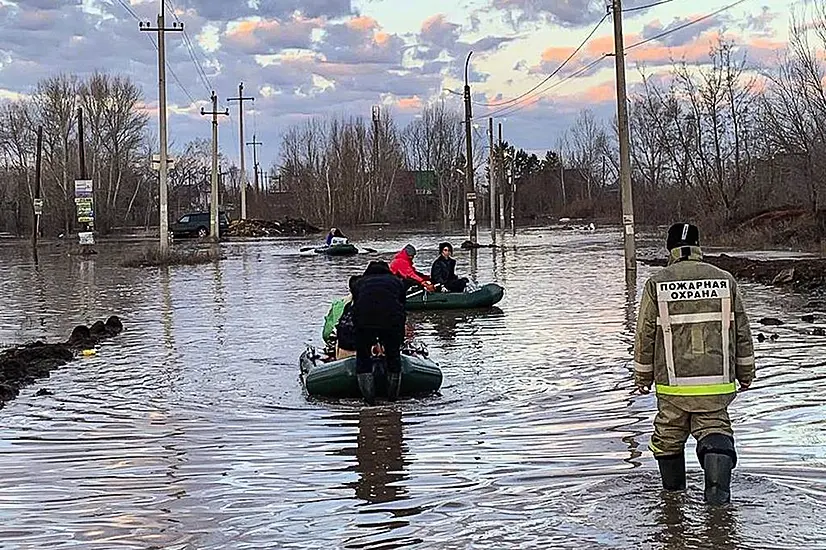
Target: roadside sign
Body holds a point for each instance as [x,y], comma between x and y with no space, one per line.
[38,207]
[83,188]
[86,237]
[471,196]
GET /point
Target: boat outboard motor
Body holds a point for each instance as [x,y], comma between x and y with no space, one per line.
[718,458]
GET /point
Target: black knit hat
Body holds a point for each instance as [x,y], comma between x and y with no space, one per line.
[682,234]
[410,249]
[447,245]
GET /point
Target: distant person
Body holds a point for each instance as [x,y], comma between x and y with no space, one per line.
[379,315]
[693,341]
[443,271]
[402,266]
[339,328]
[335,236]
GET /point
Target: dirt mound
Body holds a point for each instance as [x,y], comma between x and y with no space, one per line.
[798,274]
[290,227]
[22,365]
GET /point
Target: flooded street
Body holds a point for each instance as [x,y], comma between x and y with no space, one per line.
[190,430]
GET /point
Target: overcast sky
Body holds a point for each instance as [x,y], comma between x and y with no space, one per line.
[306,58]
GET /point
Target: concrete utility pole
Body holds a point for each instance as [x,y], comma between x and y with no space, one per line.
[624,143]
[163,168]
[214,226]
[255,145]
[492,181]
[241,99]
[470,187]
[37,207]
[500,175]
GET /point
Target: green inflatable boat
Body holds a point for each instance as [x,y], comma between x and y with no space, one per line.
[345,249]
[331,378]
[485,296]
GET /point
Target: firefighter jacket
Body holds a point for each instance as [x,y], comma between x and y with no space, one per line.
[693,337]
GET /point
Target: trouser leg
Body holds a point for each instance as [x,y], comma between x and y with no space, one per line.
[364,365]
[456,285]
[671,429]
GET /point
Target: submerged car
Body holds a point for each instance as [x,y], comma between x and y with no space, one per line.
[196,224]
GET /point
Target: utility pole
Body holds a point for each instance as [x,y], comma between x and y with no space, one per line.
[562,182]
[492,181]
[624,143]
[214,226]
[500,176]
[255,145]
[38,202]
[470,187]
[164,159]
[241,99]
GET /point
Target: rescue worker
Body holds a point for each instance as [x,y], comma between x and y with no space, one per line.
[693,341]
[379,316]
[443,271]
[402,266]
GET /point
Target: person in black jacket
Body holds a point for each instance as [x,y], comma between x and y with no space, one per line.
[443,271]
[378,314]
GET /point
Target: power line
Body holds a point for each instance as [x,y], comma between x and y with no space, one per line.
[172,72]
[684,25]
[521,105]
[639,8]
[515,108]
[191,49]
[129,9]
[554,73]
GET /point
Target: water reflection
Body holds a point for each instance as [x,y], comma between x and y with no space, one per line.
[380,450]
[687,525]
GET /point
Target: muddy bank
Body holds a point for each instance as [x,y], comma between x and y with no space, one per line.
[806,274]
[22,365]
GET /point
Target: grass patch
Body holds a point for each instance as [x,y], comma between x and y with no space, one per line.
[151,257]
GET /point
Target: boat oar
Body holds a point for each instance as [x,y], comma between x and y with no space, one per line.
[370,250]
[307,248]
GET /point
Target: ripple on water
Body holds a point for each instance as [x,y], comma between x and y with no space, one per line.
[190,430]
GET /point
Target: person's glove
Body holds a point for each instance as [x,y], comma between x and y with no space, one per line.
[444,289]
[428,286]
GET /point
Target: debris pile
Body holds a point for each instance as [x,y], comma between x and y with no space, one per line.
[290,227]
[22,365]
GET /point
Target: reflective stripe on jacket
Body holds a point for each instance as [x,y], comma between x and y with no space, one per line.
[693,338]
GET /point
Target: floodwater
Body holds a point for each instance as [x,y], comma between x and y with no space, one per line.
[190,429]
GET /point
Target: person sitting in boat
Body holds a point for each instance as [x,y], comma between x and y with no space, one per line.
[338,324]
[379,316]
[443,271]
[402,266]
[335,236]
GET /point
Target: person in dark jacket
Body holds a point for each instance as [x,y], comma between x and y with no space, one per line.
[443,271]
[378,314]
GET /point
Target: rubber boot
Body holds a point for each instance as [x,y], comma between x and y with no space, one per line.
[718,478]
[672,471]
[367,386]
[394,384]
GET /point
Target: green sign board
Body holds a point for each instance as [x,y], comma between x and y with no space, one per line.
[425,182]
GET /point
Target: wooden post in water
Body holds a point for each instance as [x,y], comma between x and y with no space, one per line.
[37,205]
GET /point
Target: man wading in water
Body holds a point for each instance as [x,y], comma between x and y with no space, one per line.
[693,340]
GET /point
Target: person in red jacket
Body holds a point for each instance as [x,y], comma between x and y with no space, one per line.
[402,266]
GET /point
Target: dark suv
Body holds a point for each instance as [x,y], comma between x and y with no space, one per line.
[196,224]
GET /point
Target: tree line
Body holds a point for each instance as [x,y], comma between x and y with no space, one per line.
[718,143]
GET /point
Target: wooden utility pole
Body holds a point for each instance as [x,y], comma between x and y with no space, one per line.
[492,181]
[37,206]
[241,99]
[163,168]
[624,143]
[470,186]
[255,145]
[214,226]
